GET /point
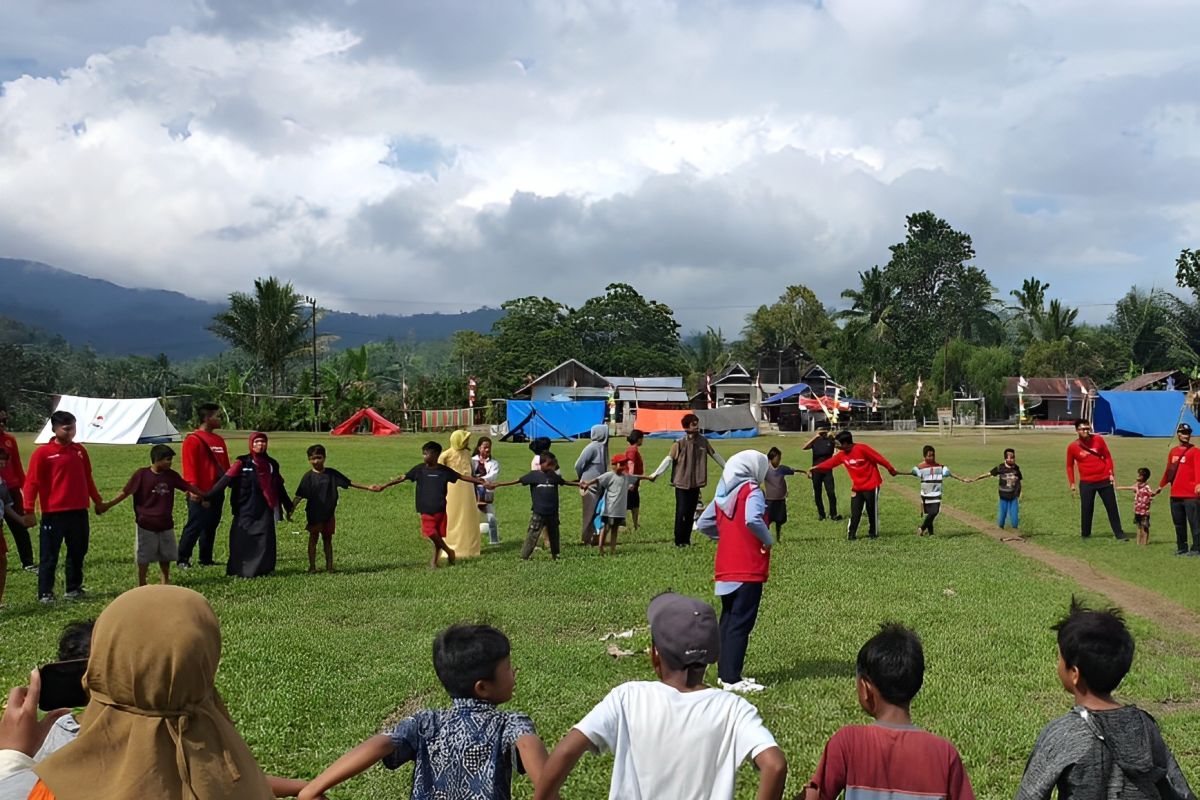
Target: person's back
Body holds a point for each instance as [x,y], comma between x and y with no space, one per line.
[1100,749]
[676,737]
[901,760]
[466,752]
[668,743]
[1118,753]
[891,758]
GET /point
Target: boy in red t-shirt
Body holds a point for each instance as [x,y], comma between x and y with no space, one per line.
[153,491]
[863,463]
[891,758]
[205,460]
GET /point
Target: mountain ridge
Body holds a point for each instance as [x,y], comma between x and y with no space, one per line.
[119,320]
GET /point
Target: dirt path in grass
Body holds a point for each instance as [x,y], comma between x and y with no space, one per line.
[1132,598]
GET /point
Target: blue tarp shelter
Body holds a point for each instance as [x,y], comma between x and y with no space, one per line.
[786,394]
[1141,413]
[554,420]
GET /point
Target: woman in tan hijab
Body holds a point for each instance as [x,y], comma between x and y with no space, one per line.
[462,513]
[155,725]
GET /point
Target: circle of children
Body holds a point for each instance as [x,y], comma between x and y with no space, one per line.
[153,724]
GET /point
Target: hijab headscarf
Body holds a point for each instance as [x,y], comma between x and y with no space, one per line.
[262,468]
[748,466]
[155,725]
[599,437]
[458,456]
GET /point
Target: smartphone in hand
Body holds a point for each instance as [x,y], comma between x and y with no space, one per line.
[62,685]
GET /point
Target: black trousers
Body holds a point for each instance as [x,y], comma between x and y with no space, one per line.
[685,514]
[931,511]
[739,612]
[20,533]
[1087,506]
[1185,513]
[59,527]
[864,501]
[824,480]
[201,526]
[539,523]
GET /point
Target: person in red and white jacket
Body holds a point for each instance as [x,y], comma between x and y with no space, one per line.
[60,477]
[1090,454]
[205,460]
[14,476]
[737,519]
[1183,473]
[863,463]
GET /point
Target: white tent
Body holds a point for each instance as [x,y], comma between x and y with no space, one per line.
[104,420]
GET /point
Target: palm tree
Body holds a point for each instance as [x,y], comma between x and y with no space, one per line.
[268,325]
[1057,323]
[708,353]
[1030,307]
[871,304]
[974,309]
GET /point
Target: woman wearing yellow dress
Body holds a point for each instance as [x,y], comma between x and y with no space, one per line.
[462,513]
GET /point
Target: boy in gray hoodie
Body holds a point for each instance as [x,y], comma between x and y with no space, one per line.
[1100,749]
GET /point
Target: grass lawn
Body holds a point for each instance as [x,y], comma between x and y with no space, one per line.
[315,663]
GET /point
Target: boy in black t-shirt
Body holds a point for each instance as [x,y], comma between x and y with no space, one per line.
[432,479]
[543,486]
[1010,488]
[822,446]
[319,487]
[153,490]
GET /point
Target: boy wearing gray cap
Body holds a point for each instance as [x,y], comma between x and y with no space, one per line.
[674,737]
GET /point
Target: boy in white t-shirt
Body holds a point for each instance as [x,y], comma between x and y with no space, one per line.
[932,475]
[674,737]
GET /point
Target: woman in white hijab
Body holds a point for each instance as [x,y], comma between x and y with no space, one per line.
[737,519]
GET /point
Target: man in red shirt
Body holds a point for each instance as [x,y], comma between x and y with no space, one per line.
[60,476]
[1183,475]
[205,460]
[863,463]
[14,476]
[1096,471]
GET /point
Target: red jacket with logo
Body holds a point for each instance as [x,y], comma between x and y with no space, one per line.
[61,477]
[863,463]
[1094,460]
[1181,471]
[740,555]
[205,459]
[14,473]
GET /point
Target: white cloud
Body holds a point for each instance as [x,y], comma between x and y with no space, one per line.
[398,158]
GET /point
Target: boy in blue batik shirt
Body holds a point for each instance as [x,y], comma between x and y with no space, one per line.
[467,751]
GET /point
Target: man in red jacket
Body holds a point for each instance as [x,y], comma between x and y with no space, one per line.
[60,476]
[1096,471]
[14,475]
[205,460]
[1183,473]
[863,463]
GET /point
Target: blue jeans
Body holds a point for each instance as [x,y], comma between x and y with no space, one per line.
[1008,509]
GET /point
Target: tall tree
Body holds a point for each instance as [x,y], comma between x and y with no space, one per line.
[1182,333]
[621,332]
[929,278]
[871,304]
[269,325]
[533,336]
[1137,319]
[796,322]
[706,352]
[1057,323]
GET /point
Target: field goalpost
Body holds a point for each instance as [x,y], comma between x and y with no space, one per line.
[969,412]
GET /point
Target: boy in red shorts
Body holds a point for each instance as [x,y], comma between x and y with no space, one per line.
[431,479]
[319,488]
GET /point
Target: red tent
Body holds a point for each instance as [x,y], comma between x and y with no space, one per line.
[380,426]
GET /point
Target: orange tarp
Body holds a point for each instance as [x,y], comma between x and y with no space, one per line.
[652,420]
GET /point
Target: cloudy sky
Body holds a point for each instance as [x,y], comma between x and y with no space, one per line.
[416,156]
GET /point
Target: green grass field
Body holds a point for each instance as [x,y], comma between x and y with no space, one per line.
[314,663]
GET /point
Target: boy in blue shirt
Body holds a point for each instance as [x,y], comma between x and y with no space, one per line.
[467,751]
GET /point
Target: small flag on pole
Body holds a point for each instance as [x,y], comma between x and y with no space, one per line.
[917,393]
[404,394]
[1022,385]
[471,392]
[874,391]
[708,390]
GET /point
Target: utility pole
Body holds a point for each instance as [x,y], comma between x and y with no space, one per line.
[312,301]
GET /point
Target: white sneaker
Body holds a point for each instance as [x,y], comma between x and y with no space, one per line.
[743,686]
